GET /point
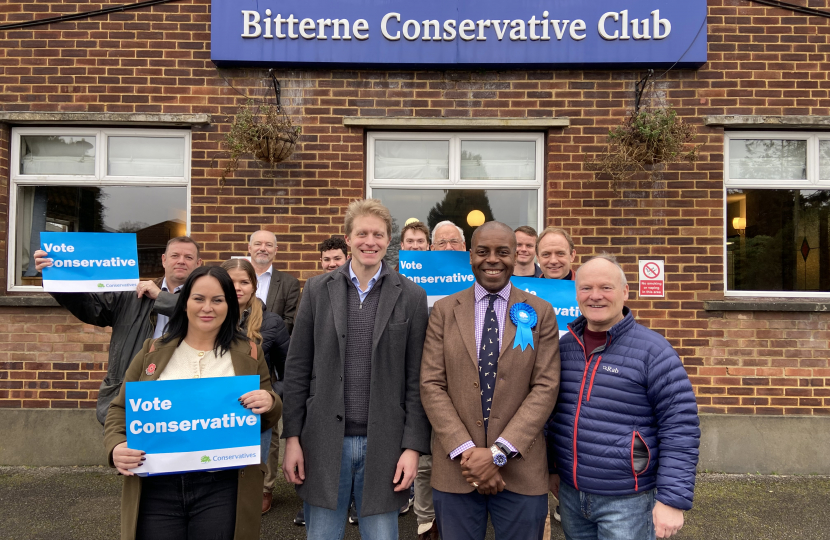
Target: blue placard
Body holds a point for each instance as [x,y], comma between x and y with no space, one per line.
[192,424]
[521,34]
[442,273]
[90,262]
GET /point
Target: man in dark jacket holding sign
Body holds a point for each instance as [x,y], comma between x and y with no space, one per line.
[134,316]
[623,439]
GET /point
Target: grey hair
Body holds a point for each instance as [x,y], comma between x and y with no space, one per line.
[251,238]
[444,223]
[608,257]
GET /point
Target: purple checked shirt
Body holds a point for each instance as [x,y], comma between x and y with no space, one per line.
[500,307]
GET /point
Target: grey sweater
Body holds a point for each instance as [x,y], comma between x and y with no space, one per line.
[358,367]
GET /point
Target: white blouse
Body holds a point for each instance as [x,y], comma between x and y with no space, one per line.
[189,363]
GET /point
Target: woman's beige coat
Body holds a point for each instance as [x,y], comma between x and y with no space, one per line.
[249,494]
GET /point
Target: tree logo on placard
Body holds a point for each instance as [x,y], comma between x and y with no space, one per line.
[205,459]
[101,285]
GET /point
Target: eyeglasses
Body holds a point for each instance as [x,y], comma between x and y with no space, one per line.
[453,242]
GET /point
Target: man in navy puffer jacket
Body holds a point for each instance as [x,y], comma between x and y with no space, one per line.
[623,439]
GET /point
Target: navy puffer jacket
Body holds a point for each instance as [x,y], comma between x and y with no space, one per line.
[635,386]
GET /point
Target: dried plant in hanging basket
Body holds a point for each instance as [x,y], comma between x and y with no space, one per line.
[262,130]
[646,138]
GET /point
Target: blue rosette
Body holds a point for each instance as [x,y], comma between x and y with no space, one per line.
[524,317]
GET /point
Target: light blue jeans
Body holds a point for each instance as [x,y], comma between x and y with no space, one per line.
[265,444]
[325,524]
[597,517]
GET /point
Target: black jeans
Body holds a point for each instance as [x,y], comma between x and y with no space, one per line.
[195,506]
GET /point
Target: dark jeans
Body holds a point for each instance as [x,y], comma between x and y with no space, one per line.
[514,516]
[194,506]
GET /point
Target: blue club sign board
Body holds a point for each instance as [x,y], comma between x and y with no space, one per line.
[520,34]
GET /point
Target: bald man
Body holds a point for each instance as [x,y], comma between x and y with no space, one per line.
[279,291]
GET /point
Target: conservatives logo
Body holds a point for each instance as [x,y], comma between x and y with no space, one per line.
[205,459]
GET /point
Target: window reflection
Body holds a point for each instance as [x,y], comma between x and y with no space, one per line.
[154,214]
[767,159]
[54,154]
[514,207]
[783,245]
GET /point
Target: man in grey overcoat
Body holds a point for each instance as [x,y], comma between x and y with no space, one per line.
[352,416]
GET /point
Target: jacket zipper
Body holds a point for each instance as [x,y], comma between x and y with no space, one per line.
[579,404]
[581,393]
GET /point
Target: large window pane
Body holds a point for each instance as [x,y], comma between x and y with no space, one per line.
[414,160]
[53,154]
[824,160]
[514,207]
[155,214]
[777,240]
[145,156]
[767,159]
[498,160]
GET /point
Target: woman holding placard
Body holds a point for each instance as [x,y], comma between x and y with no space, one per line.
[202,341]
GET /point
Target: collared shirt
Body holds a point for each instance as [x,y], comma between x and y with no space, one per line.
[363,294]
[161,320]
[263,283]
[499,306]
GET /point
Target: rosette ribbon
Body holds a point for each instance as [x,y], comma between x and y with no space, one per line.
[524,317]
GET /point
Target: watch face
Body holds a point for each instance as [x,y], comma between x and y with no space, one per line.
[500,459]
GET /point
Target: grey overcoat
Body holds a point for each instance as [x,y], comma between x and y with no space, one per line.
[314,407]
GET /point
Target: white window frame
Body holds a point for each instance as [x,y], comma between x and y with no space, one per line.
[454,181]
[99,179]
[812,182]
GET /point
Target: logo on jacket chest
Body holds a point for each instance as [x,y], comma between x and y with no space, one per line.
[610,369]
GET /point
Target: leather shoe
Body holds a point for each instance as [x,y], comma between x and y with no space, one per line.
[267,497]
[431,534]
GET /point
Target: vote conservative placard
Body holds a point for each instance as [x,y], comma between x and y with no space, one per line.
[442,273]
[90,262]
[192,424]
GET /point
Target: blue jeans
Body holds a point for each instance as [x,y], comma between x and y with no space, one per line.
[325,524]
[597,517]
[265,444]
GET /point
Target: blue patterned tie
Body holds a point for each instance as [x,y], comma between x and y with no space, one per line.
[488,358]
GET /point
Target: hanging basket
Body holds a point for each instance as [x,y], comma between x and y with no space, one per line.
[275,149]
[262,130]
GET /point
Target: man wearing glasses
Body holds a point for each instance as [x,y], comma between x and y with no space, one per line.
[447,236]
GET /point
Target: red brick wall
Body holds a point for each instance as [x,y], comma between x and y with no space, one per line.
[762,61]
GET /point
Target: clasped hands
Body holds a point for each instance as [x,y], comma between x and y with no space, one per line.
[478,469]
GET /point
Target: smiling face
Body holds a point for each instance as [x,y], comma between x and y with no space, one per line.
[180,259]
[555,256]
[332,259]
[244,287]
[600,294]
[368,241]
[493,256]
[206,307]
[447,238]
[525,248]
[414,240]
[263,248]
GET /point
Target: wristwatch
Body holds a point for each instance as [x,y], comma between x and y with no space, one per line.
[499,457]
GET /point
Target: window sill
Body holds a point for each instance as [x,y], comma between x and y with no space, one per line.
[104,119]
[438,123]
[768,304]
[772,122]
[28,301]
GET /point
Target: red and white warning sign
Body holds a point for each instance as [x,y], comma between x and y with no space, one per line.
[652,279]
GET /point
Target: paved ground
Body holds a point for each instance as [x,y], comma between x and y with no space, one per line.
[82,504]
